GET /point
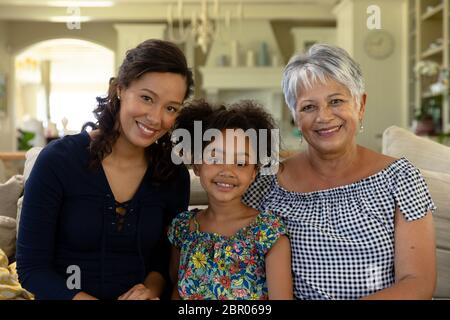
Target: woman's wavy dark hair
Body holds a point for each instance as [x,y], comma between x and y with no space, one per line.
[245,114]
[149,56]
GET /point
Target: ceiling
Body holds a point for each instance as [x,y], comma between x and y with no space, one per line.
[87,3]
[157,10]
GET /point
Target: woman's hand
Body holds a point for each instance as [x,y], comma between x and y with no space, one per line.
[83,296]
[139,292]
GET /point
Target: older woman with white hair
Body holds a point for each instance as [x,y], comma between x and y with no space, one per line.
[360,222]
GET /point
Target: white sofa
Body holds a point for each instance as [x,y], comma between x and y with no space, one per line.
[431,158]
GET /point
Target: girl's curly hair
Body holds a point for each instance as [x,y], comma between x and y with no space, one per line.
[149,56]
[245,114]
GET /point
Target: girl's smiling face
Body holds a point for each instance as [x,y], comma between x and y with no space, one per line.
[228,169]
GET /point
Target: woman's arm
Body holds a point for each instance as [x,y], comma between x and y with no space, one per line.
[278,270]
[415,260]
[43,199]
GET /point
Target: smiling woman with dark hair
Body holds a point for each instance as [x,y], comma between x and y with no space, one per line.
[101,201]
[360,222]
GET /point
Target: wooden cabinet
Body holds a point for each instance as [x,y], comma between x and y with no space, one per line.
[428,41]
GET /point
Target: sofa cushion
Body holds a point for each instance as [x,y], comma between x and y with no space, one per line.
[10,288]
[439,186]
[443,274]
[433,161]
[9,193]
[8,235]
[30,157]
[19,211]
[422,152]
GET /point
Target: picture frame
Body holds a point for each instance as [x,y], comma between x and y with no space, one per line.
[3,94]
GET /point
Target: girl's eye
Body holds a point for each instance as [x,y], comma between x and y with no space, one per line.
[241,164]
[213,161]
[147,98]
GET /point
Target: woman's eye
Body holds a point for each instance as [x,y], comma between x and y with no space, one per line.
[307,108]
[147,98]
[336,102]
[241,164]
[172,109]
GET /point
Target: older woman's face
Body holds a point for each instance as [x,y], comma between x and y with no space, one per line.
[328,116]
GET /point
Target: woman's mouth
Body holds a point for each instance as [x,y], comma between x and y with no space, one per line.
[145,130]
[327,132]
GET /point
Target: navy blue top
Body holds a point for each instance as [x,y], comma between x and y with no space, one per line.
[68,218]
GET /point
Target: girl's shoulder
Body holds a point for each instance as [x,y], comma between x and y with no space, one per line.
[268,219]
[180,228]
[184,216]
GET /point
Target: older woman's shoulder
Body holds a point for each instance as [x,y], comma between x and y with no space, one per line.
[376,161]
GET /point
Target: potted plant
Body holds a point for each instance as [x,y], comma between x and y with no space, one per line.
[424,125]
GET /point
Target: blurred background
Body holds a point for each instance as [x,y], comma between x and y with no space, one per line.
[57,56]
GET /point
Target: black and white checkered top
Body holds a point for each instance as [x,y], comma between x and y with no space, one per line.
[342,238]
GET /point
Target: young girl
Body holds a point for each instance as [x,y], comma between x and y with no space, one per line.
[229,250]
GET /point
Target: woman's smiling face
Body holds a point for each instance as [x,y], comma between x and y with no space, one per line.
[328,116]
[149,106]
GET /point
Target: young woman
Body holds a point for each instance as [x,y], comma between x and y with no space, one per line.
[96,205]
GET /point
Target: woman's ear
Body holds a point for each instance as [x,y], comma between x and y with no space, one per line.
[362,106]
[118,92]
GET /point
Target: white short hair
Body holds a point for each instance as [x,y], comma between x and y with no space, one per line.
[320,63]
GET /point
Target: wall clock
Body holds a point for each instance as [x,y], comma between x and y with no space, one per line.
[379,44]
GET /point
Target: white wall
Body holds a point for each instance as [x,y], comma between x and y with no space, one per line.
[386,80]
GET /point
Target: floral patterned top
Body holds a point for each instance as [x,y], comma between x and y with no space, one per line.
[217,267]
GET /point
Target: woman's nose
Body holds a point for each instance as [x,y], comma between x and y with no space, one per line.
[325,114]
[155,115]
